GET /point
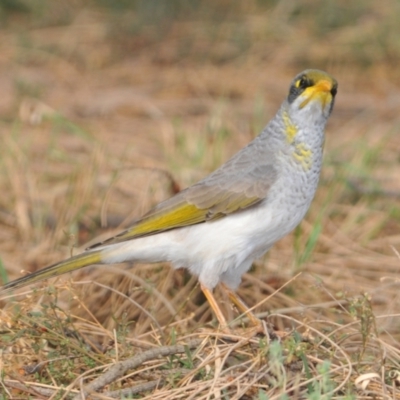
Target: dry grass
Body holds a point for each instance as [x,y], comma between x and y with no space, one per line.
[102,117]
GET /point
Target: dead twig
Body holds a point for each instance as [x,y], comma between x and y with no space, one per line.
[144,387]
[118,370]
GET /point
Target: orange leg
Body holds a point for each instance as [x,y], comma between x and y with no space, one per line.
[241,305]
[217,311]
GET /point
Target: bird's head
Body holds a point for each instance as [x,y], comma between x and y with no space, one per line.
[313,91]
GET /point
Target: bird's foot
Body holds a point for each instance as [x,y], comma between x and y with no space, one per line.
[260,329]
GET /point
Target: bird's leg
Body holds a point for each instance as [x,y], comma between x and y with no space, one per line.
[241,305]
[217,311]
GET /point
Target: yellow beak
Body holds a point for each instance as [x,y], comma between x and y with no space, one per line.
[320,91]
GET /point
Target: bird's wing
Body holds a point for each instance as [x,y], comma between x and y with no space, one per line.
[240,183]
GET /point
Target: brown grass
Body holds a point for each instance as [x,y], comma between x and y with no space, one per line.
[102,117]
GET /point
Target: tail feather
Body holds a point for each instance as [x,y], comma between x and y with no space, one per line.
[71,264]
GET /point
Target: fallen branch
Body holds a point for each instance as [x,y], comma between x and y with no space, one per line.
[119,369]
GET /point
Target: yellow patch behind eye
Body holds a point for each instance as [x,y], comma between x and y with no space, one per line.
[290,128]
[303,155]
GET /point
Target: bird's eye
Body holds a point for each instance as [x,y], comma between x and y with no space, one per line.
[304,83]
[334,91]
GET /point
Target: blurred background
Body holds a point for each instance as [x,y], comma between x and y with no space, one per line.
[108,107]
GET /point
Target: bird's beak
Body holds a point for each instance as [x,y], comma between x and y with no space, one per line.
[320,91]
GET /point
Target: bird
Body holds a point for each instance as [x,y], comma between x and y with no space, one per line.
[217,227]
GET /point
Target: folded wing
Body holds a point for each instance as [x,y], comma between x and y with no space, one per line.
[240,183]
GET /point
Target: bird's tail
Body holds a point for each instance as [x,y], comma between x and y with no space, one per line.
[71,264]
